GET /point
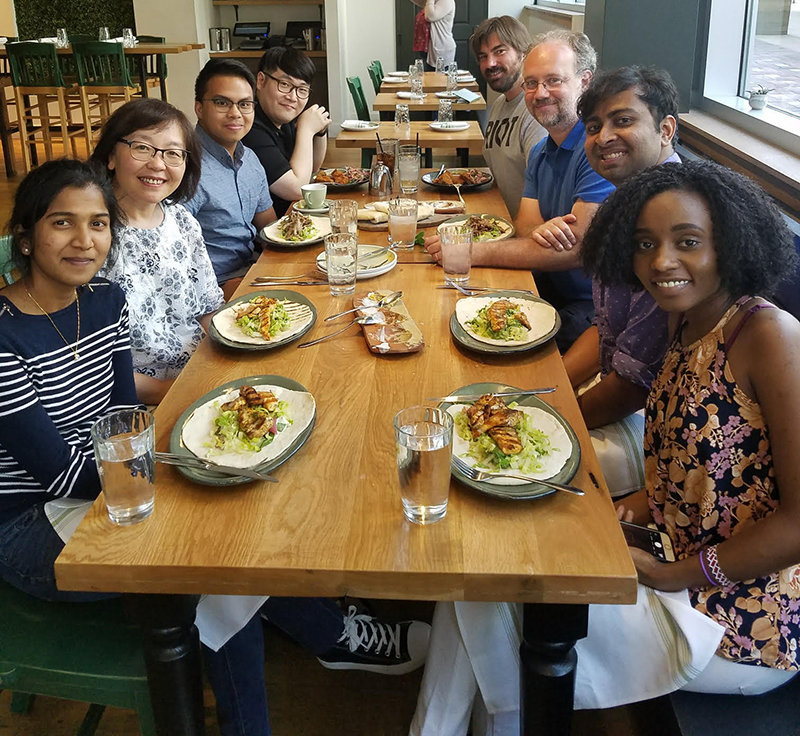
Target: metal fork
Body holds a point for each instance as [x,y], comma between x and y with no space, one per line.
[479,475]
[475,290]
[197,463]
[307,275]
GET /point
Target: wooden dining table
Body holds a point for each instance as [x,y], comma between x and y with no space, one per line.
[386,102]
[333,525]
[431,82]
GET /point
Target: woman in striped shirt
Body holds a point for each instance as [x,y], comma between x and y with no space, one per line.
[65,360]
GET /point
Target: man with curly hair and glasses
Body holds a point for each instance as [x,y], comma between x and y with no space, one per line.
[289,139]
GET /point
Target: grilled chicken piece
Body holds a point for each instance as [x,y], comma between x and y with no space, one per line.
[523,319]
[497,314]
[507,440]
[503,418]
[339,177]
[235,405]
[254,423]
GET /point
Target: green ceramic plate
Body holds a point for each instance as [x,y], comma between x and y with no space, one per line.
[528,490]
[462,337]
[292,296]
[210,478]
[461,219]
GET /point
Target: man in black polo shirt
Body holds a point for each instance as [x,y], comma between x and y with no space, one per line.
[289,141]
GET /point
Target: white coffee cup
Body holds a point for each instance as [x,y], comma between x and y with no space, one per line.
[314,195]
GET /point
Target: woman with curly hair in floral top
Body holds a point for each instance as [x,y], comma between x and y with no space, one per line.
[722,477]
[162,263]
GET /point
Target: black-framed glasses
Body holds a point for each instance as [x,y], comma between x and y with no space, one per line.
[285,87]
[551,83]
[223,104]
[144,152]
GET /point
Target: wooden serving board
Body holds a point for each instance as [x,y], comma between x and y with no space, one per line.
[375,227]
[400,334]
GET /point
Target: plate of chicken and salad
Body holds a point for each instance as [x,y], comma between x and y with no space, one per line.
[261,320]
[255,423]
[295,230]
[503,322]
[511,435]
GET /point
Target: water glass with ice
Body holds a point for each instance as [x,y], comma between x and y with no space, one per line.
[408,165]
[445,111]
[343,214]
[124,448]
[402,223]
[341,251]
[423,446]
[456,242]
[402,121]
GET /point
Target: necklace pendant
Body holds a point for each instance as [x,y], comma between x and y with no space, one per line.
[77,356]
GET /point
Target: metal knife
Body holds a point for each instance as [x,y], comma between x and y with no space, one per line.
[288,283]
[457,398]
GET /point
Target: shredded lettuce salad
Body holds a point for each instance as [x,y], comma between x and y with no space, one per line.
[229,438]
[514,329]
[279,322]
[487,455]
[306,234]
[495,232]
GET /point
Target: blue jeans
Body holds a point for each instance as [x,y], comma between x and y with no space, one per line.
[28,550]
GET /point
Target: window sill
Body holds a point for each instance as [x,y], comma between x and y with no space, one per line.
[776,169]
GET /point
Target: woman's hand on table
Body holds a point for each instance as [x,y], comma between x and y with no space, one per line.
[433,245]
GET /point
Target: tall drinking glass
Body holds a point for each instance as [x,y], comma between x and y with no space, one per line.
[341,251]
[402,122]
[440,65]
[103,34]
[452,77]
[387,153]
[128,39]
[343,214]
[416,88]
[423,449]
[124,447]
[402,223]
[62,39]
[408,164]
[456,242]
[420,67]
[445,111]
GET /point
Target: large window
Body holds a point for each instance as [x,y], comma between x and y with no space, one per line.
[752,42]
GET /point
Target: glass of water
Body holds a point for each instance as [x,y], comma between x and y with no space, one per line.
[62,39]
[343,214]
[408,165]
[128,39]
[456,242]
[103,34]
[440,65]
[124,448]
[420,67]
[416,88]
[445,111]
[341,251]
[423,446]
[452,77]
[402,122]
[402,223]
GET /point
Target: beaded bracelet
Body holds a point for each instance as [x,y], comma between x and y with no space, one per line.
[710,554]
[703,567]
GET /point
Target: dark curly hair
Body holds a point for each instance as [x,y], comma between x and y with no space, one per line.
[754,246]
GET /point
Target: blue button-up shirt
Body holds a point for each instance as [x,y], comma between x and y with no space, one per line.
[557,177]
[230,194]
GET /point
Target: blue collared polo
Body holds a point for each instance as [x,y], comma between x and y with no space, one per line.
[230,194]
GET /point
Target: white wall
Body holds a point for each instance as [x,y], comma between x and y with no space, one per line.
[506,7]
[178,20]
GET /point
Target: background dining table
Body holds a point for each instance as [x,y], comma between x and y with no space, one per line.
[431,82]
[334,525]
[386,101]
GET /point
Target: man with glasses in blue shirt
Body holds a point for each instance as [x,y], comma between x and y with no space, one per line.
[289,140]
[232,202]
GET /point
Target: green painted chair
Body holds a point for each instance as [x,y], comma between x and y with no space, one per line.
[102,75]
[38,82]
[378,67]
[8,269]
[75,651]
[150,63]
[375,76]
[362,112]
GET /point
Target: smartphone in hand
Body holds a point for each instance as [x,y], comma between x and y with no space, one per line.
[653,541]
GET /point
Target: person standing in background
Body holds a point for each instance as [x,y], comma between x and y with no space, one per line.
[422,36]
[439,14]
[500,45]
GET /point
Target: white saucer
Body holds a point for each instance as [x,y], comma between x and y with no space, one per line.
[397,74]
[356,125]
[384,265]
[449,127]
[403,95]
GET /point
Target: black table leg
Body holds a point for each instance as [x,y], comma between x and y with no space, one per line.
[172,658]
[428,158]
[142,64]
[549,633]
[464,154]
[162,75]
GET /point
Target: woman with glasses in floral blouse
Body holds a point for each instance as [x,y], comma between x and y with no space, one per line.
[161,261]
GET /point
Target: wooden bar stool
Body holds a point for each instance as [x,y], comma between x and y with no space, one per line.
[38,82]
[102,73]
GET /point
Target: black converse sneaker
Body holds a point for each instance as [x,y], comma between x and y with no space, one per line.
[372,645]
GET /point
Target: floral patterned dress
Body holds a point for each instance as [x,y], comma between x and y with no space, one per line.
[709,475]
[169,282]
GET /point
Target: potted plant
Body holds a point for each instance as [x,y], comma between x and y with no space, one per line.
[758,97]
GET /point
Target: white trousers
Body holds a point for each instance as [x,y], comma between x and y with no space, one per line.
[631,653]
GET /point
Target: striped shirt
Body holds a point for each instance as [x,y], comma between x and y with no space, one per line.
[49,400]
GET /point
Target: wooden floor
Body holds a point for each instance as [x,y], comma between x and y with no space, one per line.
[304,698]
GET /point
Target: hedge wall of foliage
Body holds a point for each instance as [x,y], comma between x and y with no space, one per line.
[41,18]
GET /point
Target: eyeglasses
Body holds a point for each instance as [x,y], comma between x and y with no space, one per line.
[551,83]
[144,152]
[223,104]
[286,87]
